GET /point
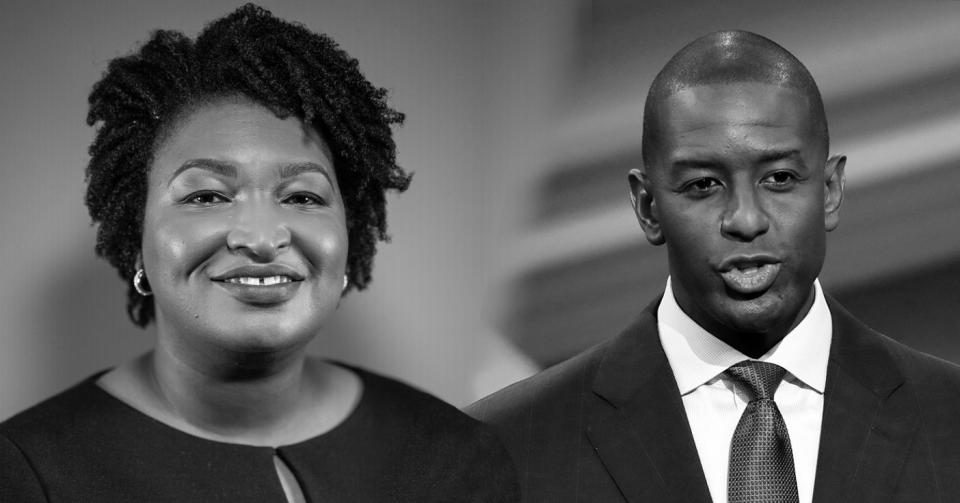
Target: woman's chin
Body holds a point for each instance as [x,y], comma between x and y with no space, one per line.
[245,341]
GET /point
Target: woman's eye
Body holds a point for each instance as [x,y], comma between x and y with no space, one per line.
[304,199]
[205,198]
[702,186]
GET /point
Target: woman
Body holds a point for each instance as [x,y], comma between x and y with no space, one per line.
[238,183]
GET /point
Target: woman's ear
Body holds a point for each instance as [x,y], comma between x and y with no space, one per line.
[833,179]
[641,197]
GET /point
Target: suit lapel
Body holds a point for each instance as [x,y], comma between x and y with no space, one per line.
[869,420]
[640,429]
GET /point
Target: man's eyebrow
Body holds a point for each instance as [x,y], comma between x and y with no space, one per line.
[763,157]
[695,163]
[297,168]
[221,168]
[769,156]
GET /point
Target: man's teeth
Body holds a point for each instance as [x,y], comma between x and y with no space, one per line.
[259,281]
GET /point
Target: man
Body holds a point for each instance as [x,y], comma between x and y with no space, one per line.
[744,382]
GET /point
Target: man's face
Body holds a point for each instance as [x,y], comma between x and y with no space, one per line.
[740,191]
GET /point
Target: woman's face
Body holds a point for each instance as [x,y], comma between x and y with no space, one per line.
[244,236]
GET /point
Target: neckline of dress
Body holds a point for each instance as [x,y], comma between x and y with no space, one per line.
[362,403]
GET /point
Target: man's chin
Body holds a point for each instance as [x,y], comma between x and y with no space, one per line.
[759,314]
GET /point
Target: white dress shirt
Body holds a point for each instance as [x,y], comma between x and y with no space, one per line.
[714,404]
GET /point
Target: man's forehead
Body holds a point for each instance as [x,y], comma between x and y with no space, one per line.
[752,120]
[740,101]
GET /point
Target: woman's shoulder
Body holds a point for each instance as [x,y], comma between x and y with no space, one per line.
[402,404]
[426,447]
[396,417]
[40,445]
[81,405]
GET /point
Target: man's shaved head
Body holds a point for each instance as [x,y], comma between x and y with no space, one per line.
[729,57]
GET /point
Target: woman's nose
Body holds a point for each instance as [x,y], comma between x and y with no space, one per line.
[258,231]
[744,219]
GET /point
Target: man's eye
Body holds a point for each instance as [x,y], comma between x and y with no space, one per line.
[701,186]
[780,179]
[304,199]
[205,198]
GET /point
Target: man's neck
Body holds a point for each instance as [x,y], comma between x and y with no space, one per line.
[755,342]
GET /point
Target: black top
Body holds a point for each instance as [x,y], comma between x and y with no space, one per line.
[399,444]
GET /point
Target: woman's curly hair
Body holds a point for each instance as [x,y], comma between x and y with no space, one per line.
[252,54]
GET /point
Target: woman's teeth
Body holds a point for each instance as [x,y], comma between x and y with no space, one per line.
[259,281]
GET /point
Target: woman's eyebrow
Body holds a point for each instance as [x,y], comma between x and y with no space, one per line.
[294,169]
[221,168]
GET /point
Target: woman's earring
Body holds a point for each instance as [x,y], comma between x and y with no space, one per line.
[138,281]
[346,283]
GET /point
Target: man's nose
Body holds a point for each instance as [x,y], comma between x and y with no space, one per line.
[744,218]
[258,231]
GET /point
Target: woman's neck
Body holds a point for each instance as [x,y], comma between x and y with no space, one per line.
[255,399]
[289,401]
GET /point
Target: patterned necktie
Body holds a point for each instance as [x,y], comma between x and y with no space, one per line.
[761,460]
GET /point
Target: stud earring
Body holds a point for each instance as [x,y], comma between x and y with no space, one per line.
[346,283]
[138,281]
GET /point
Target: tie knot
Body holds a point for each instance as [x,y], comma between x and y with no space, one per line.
[760,379]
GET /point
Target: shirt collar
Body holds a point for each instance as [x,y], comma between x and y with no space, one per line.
[697,357]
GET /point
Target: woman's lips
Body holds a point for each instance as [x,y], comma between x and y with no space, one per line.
[260,291]
[259,281]
[750,279]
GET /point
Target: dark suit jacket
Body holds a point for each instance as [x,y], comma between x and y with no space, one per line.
[609,424]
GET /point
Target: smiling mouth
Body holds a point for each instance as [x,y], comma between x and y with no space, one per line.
[261,290]
[259,280]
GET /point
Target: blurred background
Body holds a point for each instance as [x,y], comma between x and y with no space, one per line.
[516,246]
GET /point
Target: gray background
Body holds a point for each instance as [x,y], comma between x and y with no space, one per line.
[515,246]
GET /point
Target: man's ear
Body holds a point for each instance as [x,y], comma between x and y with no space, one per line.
[833,179]
[641,197]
